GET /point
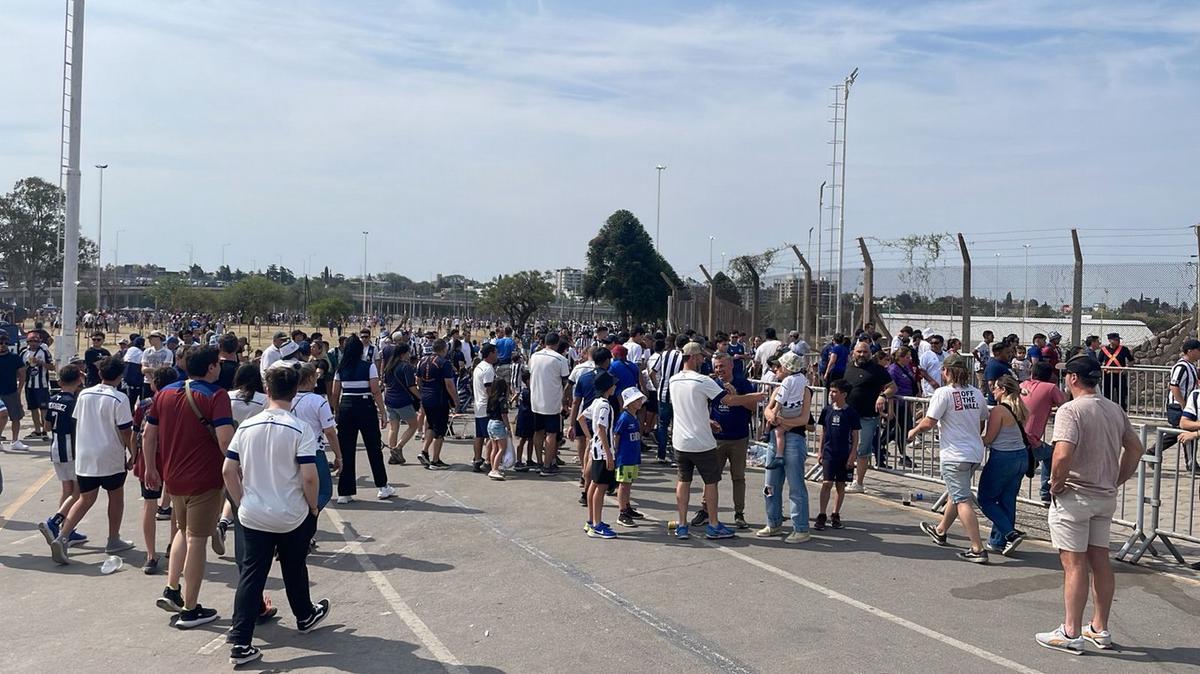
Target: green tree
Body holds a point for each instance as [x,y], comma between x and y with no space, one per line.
[30,218]
[173,292]
[332,308]
[624,269]
[196,272]
[726,289]
[223,273]
[518,296]
[254,296]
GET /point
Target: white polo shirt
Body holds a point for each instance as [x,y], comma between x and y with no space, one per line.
[271,446]
[691,395]
[547,369]
[100,412]
[484,374]
[270,355]
[314,410]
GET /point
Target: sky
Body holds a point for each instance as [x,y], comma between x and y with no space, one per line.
[486,138]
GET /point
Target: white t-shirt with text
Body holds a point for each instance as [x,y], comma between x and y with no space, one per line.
[960,412]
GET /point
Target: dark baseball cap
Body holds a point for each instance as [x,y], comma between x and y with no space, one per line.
[1084,366]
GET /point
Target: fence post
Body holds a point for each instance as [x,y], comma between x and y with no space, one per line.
[1077,292]
[670,302]
[753,294]
[868,293]
[1196,309]
[806,329]
[966,287]
[712,303]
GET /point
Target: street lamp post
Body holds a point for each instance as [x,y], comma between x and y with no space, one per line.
[117,259]
[658,207]
[997,298]
[364,276]
[223,247]
[711,239]
[100,236]
[1025,304]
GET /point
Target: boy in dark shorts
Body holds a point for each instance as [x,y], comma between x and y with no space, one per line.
[597,422]
[524,430]
[839,442]
[60,418]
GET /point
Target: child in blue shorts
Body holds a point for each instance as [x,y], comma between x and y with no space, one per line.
[839,441]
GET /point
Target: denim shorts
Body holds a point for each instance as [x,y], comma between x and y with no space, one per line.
[496,430]
[957,477]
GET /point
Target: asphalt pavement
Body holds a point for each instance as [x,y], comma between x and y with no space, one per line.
[460,573]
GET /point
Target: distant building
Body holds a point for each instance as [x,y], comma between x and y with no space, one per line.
[1132,332]
[568,281]
[786,288]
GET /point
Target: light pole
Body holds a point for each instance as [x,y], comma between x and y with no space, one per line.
[842,192]
[1025,304]
[658,208]
[116,258]
[100,236]
[722,260]
[364,276]
[223,247]
[820,223]
[711,239]
[997,297]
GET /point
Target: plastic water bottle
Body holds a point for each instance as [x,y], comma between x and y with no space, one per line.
[111,565]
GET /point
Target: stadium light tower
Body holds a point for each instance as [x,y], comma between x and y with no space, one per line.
[100,235]
[658,208]
[69,169]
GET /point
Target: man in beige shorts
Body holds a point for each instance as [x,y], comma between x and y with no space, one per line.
[1095,451]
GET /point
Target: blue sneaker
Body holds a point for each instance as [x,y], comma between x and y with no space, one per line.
[681,532]
[719,531]
[604,531]
[77,538]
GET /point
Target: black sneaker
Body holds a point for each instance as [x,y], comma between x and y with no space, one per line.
[189,618]
[439,465]
[612,491]
[739,521]
[626,520]
[635,514]
[240,655]
[478,466]
[701,518]
[394,458]
[980,557]
[583,499]
[819,524]
[549,471]
[1012,542]
[931,530]
[907,462]
[835,521]
[320,612]
[558,462]
[162,514]
[171,600]
[520,467]
[150,567]
[423,457]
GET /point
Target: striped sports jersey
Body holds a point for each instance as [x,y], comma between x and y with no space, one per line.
[61,415]
[668,366]
[1183,375]
[37,366]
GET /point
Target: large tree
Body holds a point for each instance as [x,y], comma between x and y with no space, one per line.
[331,308]
[30,218]
[254,296]
[518,296]
[624,269]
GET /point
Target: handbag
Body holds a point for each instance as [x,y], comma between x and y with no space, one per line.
[1031,461]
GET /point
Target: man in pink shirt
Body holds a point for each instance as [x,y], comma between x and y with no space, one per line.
[1040,395]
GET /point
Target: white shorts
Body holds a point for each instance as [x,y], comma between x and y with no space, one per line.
[65,472]
[1078,520]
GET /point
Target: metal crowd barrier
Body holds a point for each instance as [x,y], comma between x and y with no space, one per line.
[1166,499]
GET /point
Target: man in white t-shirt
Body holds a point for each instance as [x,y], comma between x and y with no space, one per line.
[548,371]
[272,353]
[768,348]
[270,474]
[931,365]
[103,456]
[692,394]
[481,386]
[637,352]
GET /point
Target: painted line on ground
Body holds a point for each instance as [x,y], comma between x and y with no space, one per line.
[878,612]
[675,634]
[418,627]
[30,492]
[212,646]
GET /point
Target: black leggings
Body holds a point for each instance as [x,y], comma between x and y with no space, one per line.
[359,415]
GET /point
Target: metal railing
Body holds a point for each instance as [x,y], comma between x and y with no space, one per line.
[1166,499]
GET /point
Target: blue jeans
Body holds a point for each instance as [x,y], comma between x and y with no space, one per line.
[1043,453]
[664,422]
[868,438]
[790,468]
[998,486]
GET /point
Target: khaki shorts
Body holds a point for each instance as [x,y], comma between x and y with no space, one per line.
[1079,520]
[197,514]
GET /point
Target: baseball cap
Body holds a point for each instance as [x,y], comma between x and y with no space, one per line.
[172,340]
[158,333]
[1084,365]
[1114,335]
[956,360]
[288,348]
[280,335]
[1190,344]
[603,382]
[692,349]
[630,396]
[619,351]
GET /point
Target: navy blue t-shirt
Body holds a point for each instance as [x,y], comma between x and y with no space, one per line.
[739,366]
[626,374]
[843,359]
[432,374]
[397,382]
[9,364]
[994,369]
[734,420]
[838,425]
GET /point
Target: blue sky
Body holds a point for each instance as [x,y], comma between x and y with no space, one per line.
[481,138]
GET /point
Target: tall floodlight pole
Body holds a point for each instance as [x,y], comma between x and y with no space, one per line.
[72,95]
[117,259]
[820,223]
[364,275]
[658,208]
[997,298]
[711,239]
[842,194]
[223,247]
[1025,304]
[100,235]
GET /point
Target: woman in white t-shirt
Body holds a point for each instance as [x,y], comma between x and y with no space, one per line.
[959,410]
[248,399]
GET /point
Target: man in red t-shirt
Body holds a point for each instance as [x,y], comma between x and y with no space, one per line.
[186,441]
[1040,395]
[1052,351]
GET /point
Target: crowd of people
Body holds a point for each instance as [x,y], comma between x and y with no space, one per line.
[222,436]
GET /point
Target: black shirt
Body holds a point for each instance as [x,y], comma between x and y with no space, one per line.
[866,383]
[228,369]
[90,358]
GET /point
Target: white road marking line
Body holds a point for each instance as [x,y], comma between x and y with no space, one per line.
[212,646]
[26,539]
[878,612]
[30,492]
[674,633]
[418,627]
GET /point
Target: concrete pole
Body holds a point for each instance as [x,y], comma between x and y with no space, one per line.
[807,330]
[712,303]
[868,282]
[1077,292]
[1196,308]
[966,289]
[66,344]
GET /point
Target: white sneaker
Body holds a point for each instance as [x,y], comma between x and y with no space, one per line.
[496,475]
[856,488]
[1059,641]
[797,537]
[1099,638]
[768,531]
[18,446]
[343,500]
[386,492]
